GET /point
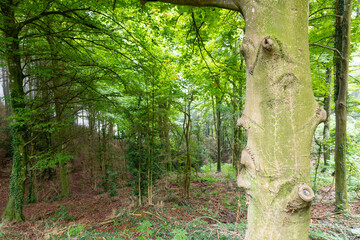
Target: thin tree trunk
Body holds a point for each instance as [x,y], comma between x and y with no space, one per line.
[236,132]
[218,133]
[187,134]
[342,43]
[326,133]
[90,144]
[6,90]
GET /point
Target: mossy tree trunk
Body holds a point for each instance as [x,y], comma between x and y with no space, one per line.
[14,207]
[280,116]
[342,43]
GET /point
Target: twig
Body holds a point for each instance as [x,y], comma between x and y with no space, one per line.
[152,214]
[328,15]
[326,216]
[327,47]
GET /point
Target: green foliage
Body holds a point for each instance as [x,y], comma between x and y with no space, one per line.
[75,231]
[62,215]
[145,228]
[228,173]
[50,159]
[109,182]
[179,234]
[334,231]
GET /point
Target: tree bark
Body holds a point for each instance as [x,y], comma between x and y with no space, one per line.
[6,90]
[280,117]
[342,43]
[235,148]
[218,133]
[187,128]
[326,132]
[237,104]
[14,207]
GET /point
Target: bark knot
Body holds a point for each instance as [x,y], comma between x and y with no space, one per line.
[302,199]
[267,44]
[305,192]
[321,114]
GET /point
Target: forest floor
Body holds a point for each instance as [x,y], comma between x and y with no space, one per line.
[216,210]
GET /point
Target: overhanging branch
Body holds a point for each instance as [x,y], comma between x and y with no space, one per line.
[320,10]
[43,14]
[327,47]
[226,4]
[327,15]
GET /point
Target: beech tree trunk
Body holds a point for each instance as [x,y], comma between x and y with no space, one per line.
[342,43]
[280,117]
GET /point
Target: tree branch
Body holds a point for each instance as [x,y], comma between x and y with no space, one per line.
[328,15]
[226,4]
[327,47]
[320,10]
[43,14]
